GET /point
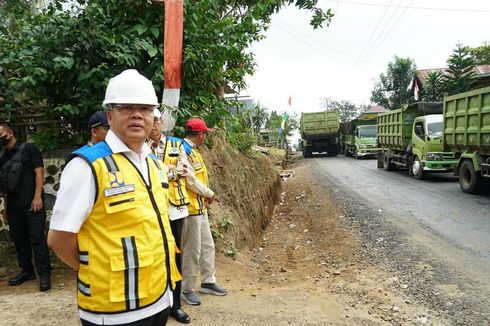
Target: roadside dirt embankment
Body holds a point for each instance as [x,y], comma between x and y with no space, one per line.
[247,187]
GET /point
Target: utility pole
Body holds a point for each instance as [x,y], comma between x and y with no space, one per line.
[172,55]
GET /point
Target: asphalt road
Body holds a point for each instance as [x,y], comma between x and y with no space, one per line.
[436,214]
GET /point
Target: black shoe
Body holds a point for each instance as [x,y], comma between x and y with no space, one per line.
[44,283]
[21,278]
[180,316]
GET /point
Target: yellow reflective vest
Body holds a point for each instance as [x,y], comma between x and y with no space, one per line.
[169,153]
[196,201]
[126,247]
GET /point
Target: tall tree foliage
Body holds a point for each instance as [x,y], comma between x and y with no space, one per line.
[460,71]
[62,61]
[347,110]
[391,90]
[434,88]
[481,54]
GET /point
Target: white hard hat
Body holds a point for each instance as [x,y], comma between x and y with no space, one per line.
[129,87]
[157,114]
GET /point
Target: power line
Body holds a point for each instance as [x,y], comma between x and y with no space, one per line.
[375,44]
[392,27]
[372,34]
[286,25]
[314,45]
[412,8]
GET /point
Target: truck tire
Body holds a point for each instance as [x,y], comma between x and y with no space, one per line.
[387,165]
[356,156]
[347,152]
[417,169]
[332,151]
[470,181]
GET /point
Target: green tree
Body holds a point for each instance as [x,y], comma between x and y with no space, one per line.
[60,62]
[346,109]
[260,117]
[460,71]
[391,90]
[274,121]
[434,88]
[481,54]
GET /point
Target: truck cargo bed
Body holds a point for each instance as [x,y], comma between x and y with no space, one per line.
[467,121]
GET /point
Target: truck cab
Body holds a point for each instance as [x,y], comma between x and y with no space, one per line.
[366,141]
[427,147]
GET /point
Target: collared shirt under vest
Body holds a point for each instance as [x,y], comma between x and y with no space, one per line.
[126,247]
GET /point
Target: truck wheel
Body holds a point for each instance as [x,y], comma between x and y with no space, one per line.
[470,181]
[347,152]
[387,165]
[356,156]
[417,169]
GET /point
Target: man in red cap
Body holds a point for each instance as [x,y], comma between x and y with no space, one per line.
[198,245]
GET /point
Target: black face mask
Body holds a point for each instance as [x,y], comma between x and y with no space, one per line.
[3,141]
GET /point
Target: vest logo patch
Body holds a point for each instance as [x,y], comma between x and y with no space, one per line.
[117,185]
[116,179]
[174,151]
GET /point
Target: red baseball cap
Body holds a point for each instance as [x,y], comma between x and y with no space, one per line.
[196,125]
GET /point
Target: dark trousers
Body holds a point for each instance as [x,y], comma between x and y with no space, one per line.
[158,319]
[27,230]
[177,232]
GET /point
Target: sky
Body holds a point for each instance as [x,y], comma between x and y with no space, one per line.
[343,60]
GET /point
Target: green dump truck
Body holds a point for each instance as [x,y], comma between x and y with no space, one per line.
[359,138]
[467,135]
[319,133]
[411,137]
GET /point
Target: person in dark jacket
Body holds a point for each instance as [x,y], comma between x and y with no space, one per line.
[24,210]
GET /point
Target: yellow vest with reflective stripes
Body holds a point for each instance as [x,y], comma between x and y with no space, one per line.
[196,205]
[170,155]
[126,246]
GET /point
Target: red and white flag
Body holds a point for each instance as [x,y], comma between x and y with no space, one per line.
[416,90]
[172,51]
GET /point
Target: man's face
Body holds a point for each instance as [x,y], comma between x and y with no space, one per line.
[157,129]
[99,133]
[131,122]
[6,133]
[201,137]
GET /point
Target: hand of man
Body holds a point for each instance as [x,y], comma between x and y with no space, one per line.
[182,171]
[209,201]
[37,204]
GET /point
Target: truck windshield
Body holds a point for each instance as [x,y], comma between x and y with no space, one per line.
[434,129]
[368,131]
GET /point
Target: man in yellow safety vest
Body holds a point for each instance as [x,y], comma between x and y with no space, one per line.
[198,245]
[171,151]
[110,221]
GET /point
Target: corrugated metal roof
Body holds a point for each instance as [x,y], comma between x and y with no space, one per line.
[372,112]
[376,109]
[423,74]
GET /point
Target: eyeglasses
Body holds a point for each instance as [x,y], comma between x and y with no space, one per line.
[126,109]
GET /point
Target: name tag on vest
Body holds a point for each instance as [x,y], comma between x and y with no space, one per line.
[118,190]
